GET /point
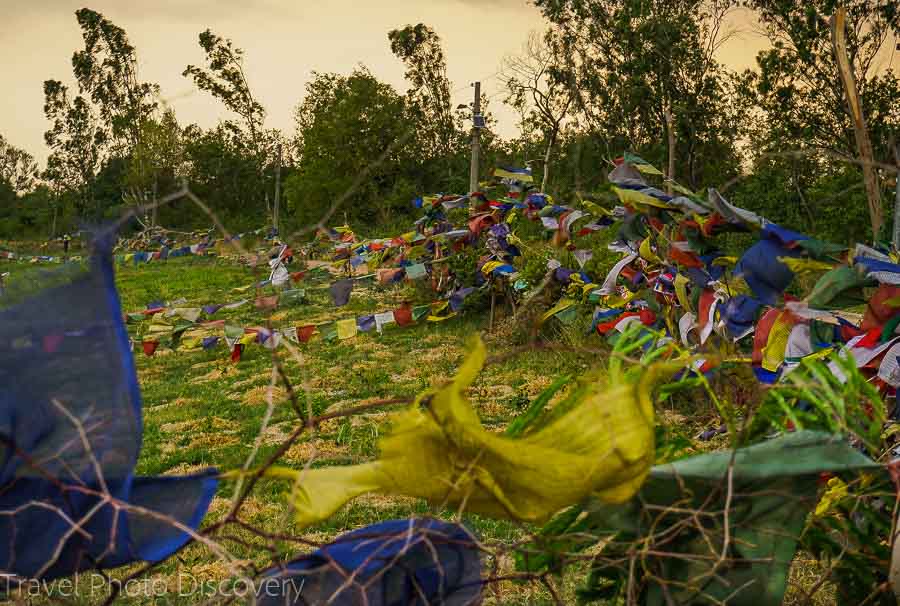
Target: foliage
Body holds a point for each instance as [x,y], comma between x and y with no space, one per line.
[633,63]
[352,148]
[224,79]
[18,170]
[107,73]
[533,88]
[802,130]
[76,139]
[428,99]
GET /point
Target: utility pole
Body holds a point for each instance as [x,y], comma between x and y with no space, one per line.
[477,125]
[277,188]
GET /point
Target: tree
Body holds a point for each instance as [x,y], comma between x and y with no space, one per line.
[343,125]
[225,80]
[18,169]
[428,99]
[631,65]
[223,171]
[158,158]
[534,89]
[77,141]
[107,72]
[798,87]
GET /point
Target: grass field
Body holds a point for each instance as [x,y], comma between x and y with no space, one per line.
[201,410]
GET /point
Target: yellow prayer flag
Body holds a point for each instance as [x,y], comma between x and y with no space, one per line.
[438,450]
[646,252]
[805,266]
[773,352]
[681,283]
[562,305]
[633,197]
[346,329]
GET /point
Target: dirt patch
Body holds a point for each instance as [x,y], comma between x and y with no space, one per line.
[303,452]
[210,376]
[259,396]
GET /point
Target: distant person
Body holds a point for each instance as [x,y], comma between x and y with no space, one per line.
[66,239]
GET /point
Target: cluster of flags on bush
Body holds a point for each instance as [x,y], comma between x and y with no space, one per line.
[673,277]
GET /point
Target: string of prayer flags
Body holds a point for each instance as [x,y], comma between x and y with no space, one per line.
[266,303]
[416,272]
[328,331]
[522,175]
[304,333]
[383,319]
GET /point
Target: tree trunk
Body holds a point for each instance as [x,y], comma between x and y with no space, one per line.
[53,223]
[863,143]
[670,130]
[547,153]
[153,213]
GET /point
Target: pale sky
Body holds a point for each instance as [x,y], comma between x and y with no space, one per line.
[284,41]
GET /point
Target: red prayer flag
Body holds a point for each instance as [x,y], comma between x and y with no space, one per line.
[150,347]
[52,342]
[403,315]
[304,333]
[236,352]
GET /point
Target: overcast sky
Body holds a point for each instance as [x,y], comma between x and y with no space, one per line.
[284,41]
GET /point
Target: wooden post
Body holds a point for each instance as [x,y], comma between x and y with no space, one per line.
[863,143]
[277,189]
[476,141]
[493,301]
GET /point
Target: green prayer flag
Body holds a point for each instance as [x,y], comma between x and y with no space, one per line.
[767,490]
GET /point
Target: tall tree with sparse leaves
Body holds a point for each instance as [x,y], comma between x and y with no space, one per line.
[429,96]
[645,72]
[225,80]
[107,73]
[535,90]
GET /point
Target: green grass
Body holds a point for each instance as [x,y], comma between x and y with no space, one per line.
[201,410]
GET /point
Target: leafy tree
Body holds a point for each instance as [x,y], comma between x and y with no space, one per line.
[644,72]
[225,80]
[222,170]
[158,159]
[802,107]
[350,141]
[428,99]
[798,87]
[107,73]
[18,169]
[76,139]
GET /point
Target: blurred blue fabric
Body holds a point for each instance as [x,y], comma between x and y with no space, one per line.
[415,562]
[66,368]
